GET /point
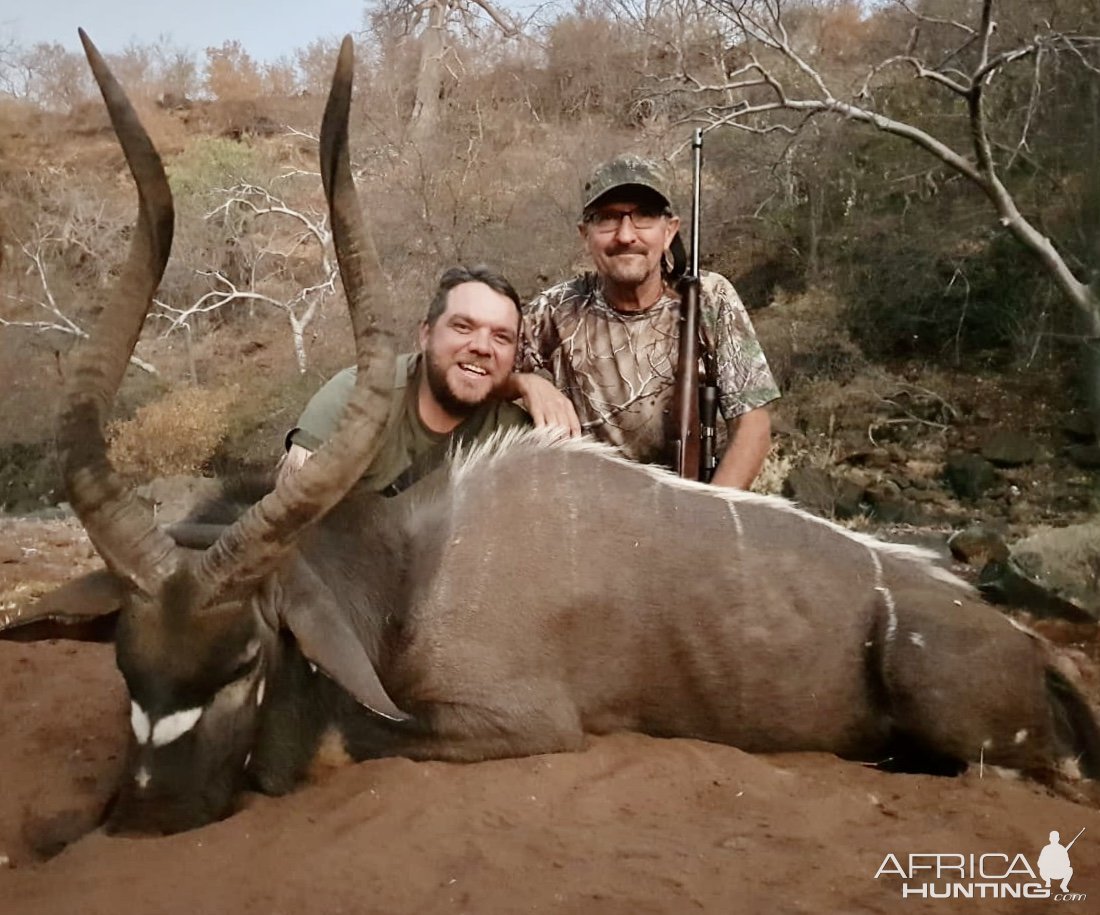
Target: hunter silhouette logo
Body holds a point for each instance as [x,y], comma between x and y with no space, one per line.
[1054,861]
[992,875]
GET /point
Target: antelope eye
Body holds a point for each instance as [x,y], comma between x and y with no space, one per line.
[243,668]
[246,661]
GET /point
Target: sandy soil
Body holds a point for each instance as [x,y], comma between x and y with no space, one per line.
[631,825]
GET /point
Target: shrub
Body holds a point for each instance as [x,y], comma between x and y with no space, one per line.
[210,163]
[177,434]
[985,297]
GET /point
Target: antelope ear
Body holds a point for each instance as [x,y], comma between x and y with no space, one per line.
[327,639]
[82,609]
[195,535]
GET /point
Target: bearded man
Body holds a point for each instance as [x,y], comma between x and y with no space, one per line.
[448,393]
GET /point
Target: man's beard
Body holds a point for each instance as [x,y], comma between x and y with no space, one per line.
[442,391]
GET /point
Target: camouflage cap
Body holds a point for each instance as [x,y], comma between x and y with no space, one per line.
[621,172]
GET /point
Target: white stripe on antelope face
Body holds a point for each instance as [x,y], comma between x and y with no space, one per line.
[173,727]
[139,723]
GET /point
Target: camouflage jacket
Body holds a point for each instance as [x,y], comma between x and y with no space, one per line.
[618,368]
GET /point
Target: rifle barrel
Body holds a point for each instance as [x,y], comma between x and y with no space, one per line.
[696,192]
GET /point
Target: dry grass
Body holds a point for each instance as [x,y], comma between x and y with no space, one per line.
[17,597]
[777,466]
[177,434]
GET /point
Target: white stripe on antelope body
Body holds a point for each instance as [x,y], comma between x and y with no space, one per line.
[528,595]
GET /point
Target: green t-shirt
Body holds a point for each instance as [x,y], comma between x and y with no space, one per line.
[405,438]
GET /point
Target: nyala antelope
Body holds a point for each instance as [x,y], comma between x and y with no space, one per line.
[528,595]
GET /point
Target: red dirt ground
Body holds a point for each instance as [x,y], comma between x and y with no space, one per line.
[631,825]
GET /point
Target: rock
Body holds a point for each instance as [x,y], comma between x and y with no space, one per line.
[1077,427]
[927,498]
[818,491]
[1008,448]
[932,541]
[1065,562]
[1006,583]
[849,499]
[870,457]
[880,457]
[968,475]
[810,487]
[896,454]
[889,505]
[1086,457]
[862,453]
[924,496]
[978,545]
[1054,572]
[174,497]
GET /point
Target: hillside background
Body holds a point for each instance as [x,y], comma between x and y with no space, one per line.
[908,331]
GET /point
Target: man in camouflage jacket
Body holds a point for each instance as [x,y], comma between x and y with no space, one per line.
[598,352]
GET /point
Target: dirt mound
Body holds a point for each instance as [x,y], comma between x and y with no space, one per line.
[631,825]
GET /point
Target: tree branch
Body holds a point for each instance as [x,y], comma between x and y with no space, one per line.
[954,23]
[982,172]
[62,323]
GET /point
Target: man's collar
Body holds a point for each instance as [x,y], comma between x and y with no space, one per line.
[595,284]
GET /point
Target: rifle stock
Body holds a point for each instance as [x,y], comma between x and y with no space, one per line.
[686,444]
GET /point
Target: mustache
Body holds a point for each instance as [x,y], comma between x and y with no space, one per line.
[626,249]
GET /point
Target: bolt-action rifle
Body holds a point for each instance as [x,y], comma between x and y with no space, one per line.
[695,389]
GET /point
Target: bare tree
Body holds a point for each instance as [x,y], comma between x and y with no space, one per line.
[676,29]
[46,75]
[36,253]
[434,22]
[776,76]
[268,257]
[315,63]
[176,68]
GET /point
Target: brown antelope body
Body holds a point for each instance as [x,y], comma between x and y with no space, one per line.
[525,596]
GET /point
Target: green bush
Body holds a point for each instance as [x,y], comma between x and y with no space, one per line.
[908,300]
[210,163]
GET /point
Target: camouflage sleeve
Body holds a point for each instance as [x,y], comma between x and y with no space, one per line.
[323,411]
[744,380]
[536,338]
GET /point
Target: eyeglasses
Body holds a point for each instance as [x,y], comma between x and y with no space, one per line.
[606,221]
